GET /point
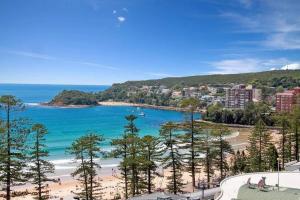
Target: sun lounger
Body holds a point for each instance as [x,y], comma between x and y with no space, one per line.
[251,186]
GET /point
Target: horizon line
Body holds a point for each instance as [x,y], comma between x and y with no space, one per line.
[55,84]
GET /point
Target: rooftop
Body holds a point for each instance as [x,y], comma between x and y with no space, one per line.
[287,93]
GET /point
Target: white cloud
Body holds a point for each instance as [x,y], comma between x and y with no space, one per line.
[32,55]
[114,12]
[234,66]
[291,66]
[94,4]
[277,21]
[121,19]
[47,57]
[125,9]
[159,74]
[246,3]
[282,41]
[97,65]
[247,22]
[274,63]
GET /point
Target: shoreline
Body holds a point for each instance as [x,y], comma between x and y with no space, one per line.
[62,106]
[119,103]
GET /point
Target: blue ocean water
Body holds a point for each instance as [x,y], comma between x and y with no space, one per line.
[66,124]
[35,93]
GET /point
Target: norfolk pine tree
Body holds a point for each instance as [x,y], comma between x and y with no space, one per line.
[239,163]
[13,148]
[121,151]
[295,122]
[283,122]
[77,149]
[222,148]
[40,167]
[151,154]
[126,148]
[260,141]
[208,152]
[92,142]
[172,158]
[133,154]
[191,106]
[86,149]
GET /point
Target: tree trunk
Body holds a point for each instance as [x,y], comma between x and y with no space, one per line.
[221,157]
[38,166]
[208,167]
[296,143]
[173,165]
[259,151]
[125,173]
[149,172]
[193,151]
[133,181]
[8,164]
[290,148]
[91,175]
[282,148]
[85,176]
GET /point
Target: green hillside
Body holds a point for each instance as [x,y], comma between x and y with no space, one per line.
[73,97]
[218,78]
[278,79]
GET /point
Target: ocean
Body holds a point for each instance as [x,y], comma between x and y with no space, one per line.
[67,124]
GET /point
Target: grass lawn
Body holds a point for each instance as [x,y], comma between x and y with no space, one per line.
[246,193]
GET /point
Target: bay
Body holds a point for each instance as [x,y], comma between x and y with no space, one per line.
[67,124]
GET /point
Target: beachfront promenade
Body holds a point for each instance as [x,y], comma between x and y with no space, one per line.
[231,185]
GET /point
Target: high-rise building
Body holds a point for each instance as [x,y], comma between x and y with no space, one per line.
[257,95]
[286,101]
[237,97]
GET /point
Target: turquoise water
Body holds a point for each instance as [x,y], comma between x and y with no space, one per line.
[67,124]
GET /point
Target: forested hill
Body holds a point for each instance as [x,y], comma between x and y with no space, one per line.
[261,77]
[73,97]
[132,91]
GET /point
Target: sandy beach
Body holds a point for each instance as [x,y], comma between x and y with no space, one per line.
[60,106]
[117,103]
[111,183]
[65,188]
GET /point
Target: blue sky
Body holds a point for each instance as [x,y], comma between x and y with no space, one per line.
[108,41]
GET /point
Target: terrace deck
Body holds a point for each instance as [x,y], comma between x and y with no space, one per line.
[246,193]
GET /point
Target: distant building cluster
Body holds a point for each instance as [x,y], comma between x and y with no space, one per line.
[230,96]
[239,96]
[287,100]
